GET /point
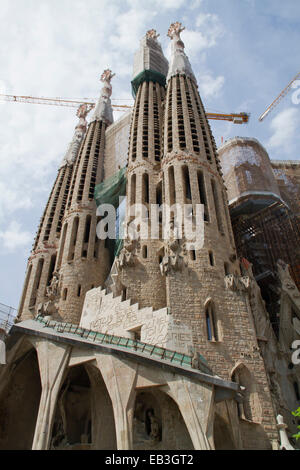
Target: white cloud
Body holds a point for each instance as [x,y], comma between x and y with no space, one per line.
[211,27]
[13,237]
[210,86]
[284,127]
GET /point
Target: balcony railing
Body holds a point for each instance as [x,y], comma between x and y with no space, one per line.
[151,350]
[7,317]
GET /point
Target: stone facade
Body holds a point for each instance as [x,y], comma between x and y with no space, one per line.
[166,292]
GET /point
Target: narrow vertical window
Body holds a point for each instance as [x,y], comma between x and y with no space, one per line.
[212,334]
[79,290]
[86,238]
[186,183]
[217,206]
[145,251]
[65,292]
[146,188]
[133,189]
[202,194]
[226,269]
[211,258]
[172,193]
[73,239]
[36,282]
[51,269]
[62,245]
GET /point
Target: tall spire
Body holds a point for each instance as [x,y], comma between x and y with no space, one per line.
[179,63]
[103,111]
[150,55]
[79,133]
[150,63]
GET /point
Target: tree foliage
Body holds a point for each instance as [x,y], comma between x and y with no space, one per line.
[297,414]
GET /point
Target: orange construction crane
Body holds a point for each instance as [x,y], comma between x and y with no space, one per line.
[279,98]
[240,118]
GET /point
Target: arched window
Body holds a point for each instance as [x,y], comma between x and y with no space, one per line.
[86,238]
[172,192]
[217,206]
[211,324]
[202,194]
[133,189]
[146,188]
[62,245]
[73,239]
[186,183]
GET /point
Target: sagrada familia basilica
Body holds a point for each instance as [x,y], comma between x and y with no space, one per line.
[158,342]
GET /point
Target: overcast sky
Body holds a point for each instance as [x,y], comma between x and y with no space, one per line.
[243,53]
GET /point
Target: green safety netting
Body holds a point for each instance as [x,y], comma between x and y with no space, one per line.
[147,76]
[112,191]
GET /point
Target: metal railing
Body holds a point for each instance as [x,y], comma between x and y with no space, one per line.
[127,343]
[7,317]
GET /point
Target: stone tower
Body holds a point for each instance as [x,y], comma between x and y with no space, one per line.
[141,281]
[205,289]
[83,259]
[41,263]
[165,352]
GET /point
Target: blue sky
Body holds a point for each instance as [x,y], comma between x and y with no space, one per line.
[243,53]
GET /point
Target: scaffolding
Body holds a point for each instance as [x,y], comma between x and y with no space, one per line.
[263,238]
[7,317]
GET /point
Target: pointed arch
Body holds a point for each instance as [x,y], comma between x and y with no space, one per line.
[249,407]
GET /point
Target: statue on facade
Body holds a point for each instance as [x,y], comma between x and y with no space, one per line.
[172,259]
[50,306]
[154,426]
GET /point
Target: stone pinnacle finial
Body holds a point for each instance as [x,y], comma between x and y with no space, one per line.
[175,29]
[107,76]
[83,111]
[103,110]
[179,63]
[152,34]
[78,136]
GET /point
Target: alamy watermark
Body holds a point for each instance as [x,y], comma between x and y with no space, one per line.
[154,222]
[296,353]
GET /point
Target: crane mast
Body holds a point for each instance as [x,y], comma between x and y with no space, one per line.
[279,98]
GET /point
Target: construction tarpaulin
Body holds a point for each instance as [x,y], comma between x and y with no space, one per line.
[113,191]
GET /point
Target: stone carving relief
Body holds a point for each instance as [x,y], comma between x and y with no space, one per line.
[103,313]
[174,258]
[237,283]
[127,256]
[50,306]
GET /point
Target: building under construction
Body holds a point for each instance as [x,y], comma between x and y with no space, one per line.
[157,343]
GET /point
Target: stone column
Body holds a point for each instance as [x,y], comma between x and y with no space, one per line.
[194,402]
[120,381]
[53,359]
